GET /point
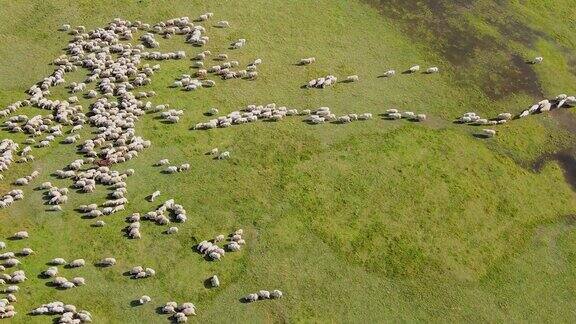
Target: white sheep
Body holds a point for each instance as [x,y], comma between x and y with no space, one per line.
[77,263]
[353,78]
[488,132]
[107,262]
[171,169]
[154,195]
[276,294]
[307,61]
[214,281]
[389,73]
[58,261]
[144,300]
[223,24]
[20,235]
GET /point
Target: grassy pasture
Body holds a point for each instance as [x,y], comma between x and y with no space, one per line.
[368,222]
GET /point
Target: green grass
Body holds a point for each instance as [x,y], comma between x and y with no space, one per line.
[377,221]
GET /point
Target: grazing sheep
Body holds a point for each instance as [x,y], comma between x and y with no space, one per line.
[20,235]
[414,69]
[432,70]
[107,262]
[58,261]
[307,61]
[352,78]
[78,281]
[537,60]
[224,155]
[214,281]
[251,298]
[171,169]
[263,294]
[67,285]
[59,281]
[223,24]
[2,245]
[365,116]
[389,73]
[163,162]
[488,132]
[26,252]
[99,223]
[51,272]
[344,119]
[77,263]
[144,300]
[150,272]
[154,195]
[172,230]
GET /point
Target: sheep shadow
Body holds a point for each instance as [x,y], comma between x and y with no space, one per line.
[102,265]
[159,311]
[383,76]
[243,300]
[126,274]
[481,136]
[50,284]
[68,266]
[304,86]
[208,283]
[407,72]
[345,81]
[135,303]
[42,275]
[309,122]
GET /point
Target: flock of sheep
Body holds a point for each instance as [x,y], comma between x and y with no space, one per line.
[213,252]
[546,105]
[116,69]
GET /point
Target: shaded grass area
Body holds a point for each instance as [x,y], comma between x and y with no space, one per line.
[370,221]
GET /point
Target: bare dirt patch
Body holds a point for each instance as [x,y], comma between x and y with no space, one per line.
[441,23]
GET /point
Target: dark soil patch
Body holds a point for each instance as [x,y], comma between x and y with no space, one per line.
[567,161]
[513,78]
[442,25]
[565,119]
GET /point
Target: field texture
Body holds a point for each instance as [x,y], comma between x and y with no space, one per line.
[375,221]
